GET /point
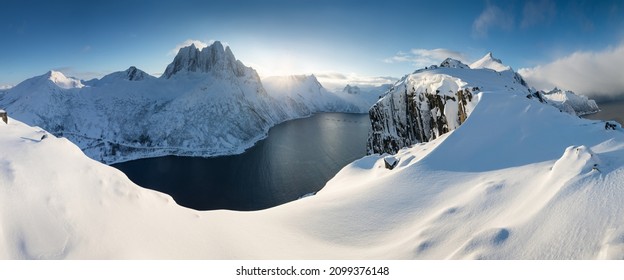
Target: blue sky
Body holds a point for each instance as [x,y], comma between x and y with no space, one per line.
[336,40]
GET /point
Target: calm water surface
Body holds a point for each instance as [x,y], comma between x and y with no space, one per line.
[612,110]
[298,157]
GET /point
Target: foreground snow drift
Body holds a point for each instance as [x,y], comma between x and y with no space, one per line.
[517,180]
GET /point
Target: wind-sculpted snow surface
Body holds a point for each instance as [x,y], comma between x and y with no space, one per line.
[517,180]
[207,103]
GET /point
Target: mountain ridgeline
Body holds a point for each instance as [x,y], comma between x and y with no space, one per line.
[206,103]
[432,101]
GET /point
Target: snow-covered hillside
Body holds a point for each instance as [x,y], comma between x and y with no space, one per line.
[207,103]
[430,102]
[517,180]
[304,95]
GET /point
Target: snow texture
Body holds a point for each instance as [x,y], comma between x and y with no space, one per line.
[517,180]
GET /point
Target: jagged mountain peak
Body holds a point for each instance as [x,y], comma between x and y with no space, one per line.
[214,58]
[135,74]
[490,62]
[453,63]
[351,89]
[130,74]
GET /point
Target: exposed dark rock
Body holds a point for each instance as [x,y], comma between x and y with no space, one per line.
[4,117]
[390,162]
[414,117]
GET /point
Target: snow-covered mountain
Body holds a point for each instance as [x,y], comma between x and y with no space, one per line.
[368,94]
[568,101]
[489,62]
[430,102]
[206,103]
[517,180]
[304,95]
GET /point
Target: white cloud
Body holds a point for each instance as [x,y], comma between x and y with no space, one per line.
[424,57]
[491,17]
[5,87]
[337,81]
[596,74]
[198,43]
[537,12]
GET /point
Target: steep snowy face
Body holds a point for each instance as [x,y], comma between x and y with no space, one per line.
[212,59]
[568,101]
[304,95]
[489,62]
[430,102]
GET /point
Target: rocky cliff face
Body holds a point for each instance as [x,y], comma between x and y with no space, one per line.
[212,59]
[433,101]
[411,116]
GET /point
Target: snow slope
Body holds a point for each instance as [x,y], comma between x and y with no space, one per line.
[207,103]
[518,179]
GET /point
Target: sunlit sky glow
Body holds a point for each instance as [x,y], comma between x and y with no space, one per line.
[346,41]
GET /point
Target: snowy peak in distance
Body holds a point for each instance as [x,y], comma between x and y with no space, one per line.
[131,74]
[351,89]
[62,81]
[212,59]
[453,63]
[489,62]
[134,74]
[52,80]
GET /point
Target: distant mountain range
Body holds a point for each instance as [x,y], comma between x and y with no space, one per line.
[206,103]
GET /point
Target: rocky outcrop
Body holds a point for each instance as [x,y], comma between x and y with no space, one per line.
[412,116]
[4,117]
[433,101]
[212,59]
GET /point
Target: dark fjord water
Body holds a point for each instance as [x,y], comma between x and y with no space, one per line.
[298,157]
[610,111]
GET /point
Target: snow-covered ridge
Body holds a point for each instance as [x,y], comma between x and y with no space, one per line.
[433,101]
[207,103]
